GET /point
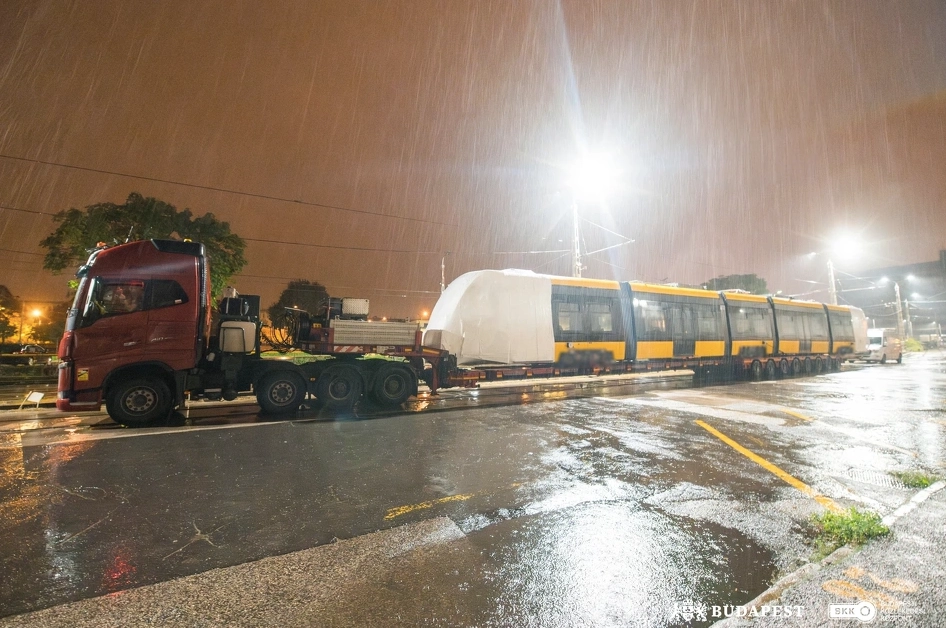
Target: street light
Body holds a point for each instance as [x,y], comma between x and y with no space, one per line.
[594,177]
[443,267]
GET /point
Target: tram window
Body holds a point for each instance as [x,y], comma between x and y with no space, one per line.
[750,323]
[841,326]
[709,322]
[650,318]
[599,317]
[817,326]
[790,326]
[568,317]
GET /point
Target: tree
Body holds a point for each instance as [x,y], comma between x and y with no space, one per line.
[7,328]
[48,328]
[749,283]
[9,309]
[300,293]
[141,218]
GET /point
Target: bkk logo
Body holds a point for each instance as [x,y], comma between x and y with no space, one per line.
[864,611]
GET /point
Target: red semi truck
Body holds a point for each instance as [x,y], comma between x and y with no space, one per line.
[141,335]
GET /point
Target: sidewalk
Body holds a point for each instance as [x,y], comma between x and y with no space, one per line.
[897,580]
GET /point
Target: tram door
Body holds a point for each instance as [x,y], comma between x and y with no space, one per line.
[684,330]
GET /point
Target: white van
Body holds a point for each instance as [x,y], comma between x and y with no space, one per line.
[884,344]
[859,322]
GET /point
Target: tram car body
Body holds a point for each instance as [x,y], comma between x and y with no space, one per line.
[517,317]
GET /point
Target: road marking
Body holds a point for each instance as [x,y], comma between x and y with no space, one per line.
[768,466]
[797,415]
[403,510]
[843,588]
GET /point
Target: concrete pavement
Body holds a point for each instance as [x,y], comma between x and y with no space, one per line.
[897,580]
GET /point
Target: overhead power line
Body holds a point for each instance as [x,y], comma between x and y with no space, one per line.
[225,190]
[344,248]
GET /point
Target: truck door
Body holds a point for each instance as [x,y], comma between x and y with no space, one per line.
[113,326]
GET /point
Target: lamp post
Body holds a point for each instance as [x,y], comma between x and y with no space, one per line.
[592,177]
[443,268]
[576,242]
[832,288]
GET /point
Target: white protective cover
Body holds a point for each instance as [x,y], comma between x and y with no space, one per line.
[494,317]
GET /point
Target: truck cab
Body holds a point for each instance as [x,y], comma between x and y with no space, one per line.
[138,324]
[884,345]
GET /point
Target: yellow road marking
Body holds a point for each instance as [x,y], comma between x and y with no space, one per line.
[849,590]
[768,466]
[797,415]
[403,510]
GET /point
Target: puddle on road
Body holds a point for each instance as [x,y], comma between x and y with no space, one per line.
[613,563]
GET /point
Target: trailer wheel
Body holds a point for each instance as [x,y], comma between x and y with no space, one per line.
[392,385]
[796,367]
[280,392]
[784,368]
[770,369]
[755,371]
[339,387]
[808,366]
[819,366]
[139,401]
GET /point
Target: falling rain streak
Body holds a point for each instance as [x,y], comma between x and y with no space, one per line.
[358,142]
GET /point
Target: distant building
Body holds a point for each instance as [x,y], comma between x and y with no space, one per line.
[922,290]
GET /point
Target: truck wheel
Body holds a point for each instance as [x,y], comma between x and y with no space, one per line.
[280,392]
[339,387]
[392,385]
[900,359]
[796,367]
[139,401]
[755,371]
[784,368]
[819,366]
[883,359]
[770,369]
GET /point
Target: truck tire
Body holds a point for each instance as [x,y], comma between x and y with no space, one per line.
[139,402]
[883,359]
[770,369]
[755,371]
[392,385]
[280,392]
[900,359]
[796,367]
[339,387]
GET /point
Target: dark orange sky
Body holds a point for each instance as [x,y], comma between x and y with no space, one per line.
[746,133]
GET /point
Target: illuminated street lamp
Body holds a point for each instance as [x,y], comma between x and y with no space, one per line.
[594,178]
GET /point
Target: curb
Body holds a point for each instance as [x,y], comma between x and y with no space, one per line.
[803,573]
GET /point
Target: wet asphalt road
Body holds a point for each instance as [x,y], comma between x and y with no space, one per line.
[605,509]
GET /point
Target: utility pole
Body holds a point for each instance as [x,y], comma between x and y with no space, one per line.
[896,290]
[832,290]
[443,268]
[576,242]
[906,303]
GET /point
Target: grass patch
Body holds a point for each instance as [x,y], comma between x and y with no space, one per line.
[914,479]
[853,526]
[911,344]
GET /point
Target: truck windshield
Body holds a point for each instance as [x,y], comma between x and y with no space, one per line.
[875,340]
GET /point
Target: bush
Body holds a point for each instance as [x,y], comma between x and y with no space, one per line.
[911,344]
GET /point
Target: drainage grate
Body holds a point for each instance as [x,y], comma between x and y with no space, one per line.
[876,478]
